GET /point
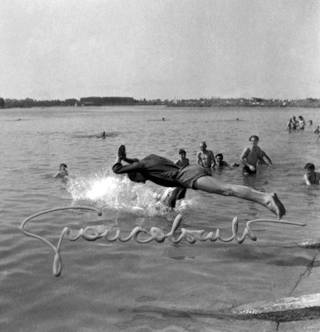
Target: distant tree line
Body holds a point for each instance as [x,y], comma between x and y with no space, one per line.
[202,102]
[28,102]
[243,102]
[87,101]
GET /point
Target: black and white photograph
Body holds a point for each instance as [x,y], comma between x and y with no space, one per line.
[160,166]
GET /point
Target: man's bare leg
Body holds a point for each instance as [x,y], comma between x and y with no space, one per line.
[270,201]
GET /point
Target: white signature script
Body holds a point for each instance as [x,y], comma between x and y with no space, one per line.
[156,234]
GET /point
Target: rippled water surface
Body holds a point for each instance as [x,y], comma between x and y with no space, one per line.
[156,286]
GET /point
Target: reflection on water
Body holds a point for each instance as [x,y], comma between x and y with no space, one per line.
[105,280]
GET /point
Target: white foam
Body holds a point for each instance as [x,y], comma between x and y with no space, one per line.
[119,193]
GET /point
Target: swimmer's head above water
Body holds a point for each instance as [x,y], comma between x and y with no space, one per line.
[203,146]
[310,168]
[63,167]
[254,139]
[137,177]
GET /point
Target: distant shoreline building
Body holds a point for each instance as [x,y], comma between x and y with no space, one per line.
[107,101]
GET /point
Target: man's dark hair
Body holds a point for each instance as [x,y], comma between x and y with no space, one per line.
[254,136]
[309,166]
[64,165]
[219,155]
[182,151]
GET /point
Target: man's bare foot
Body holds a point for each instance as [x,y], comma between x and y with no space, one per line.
[275,206]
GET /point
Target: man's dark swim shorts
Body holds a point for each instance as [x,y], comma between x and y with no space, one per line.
[189,174]
[247,170]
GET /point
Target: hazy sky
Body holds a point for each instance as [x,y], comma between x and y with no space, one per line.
[58,49]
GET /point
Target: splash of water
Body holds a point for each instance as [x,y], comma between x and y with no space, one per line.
[118,193]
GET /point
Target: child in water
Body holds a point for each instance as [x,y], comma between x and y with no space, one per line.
[183,161]
[63,172]
[311,177]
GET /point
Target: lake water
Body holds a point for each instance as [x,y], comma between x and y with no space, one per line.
[156,286]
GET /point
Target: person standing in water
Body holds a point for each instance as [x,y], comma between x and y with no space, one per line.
[311,177]
[289,125]
[302,122]
[251,155]
[205,158]
[295,123]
